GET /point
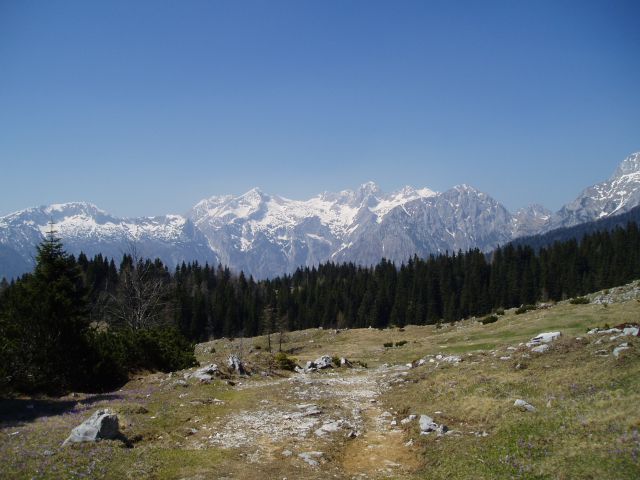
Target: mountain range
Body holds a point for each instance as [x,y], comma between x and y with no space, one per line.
[266,235]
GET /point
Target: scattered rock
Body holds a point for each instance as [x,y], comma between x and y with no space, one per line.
[545,337]
[427,425]
[524,406]
[620,348]
[287,453]
[329,427]
[204,374]
[409,419]
[449,358]
[319,363]
[540,348]
[48,453]
[323,362]
[310,456]
[103,424]
[345,363]
[235,365]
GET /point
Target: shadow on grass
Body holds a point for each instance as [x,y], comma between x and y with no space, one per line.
[17,411]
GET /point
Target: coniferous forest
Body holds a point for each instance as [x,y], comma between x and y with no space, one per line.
[74,320]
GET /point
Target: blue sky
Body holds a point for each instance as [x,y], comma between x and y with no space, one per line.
[145,107]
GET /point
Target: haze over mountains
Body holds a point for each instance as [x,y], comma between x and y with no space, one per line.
[266,235]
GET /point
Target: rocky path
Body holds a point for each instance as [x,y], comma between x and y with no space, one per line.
[323,424]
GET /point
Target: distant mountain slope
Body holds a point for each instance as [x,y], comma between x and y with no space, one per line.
[618,194]
[84,227]
[578,231]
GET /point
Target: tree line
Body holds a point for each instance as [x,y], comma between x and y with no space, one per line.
[200,302]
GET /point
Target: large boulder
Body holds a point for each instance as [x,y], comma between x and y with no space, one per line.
[102,425]
[235,365]
[449,358]
[323,362]
[319,363]
[204,374]
[427,425]
[546,337]
[524,405]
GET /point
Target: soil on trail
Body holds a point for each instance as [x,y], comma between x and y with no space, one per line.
[322,424]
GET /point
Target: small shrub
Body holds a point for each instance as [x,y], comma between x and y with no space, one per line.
[387,344]
[362,364]
[284,362]
[524,309]
[401,343]
[335,360]
[579,301]
[489,319]
[258,347]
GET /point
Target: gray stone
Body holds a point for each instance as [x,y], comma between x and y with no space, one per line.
[323,362]
[540,348]
[102,425]
[545,337]
[204,374]
[427,425]
[619,349]
[329,427]
[310,457]
[448,358]
[235,365]
[524,406]
[345,363]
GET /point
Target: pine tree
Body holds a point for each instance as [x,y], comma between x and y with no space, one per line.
[45,317]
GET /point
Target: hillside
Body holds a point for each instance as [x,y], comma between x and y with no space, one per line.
[579,231]
[348,422]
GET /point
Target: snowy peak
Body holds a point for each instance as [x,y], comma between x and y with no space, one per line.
[530,220]
[617,195]
[83,227]
[629,166]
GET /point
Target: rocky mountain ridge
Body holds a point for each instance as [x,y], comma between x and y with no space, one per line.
[266,235]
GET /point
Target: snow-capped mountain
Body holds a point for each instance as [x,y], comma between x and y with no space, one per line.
[265,235]
[619,194]
[84,227]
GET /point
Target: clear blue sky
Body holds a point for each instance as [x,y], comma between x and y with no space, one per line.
[145,107]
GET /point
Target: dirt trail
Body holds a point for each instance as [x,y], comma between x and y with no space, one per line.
[321,423]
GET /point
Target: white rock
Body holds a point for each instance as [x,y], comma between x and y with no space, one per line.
[310,456]
[545,337]
[204,374]
[524,405]
[540,348]
[323,362]
[427,425]
[235,364]
[330,427]
[103,424]
[619,349]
